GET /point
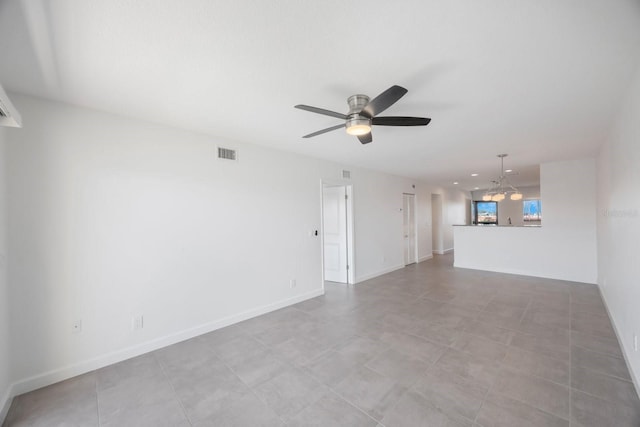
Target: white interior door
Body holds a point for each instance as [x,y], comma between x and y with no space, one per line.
[409,228]
[334,209]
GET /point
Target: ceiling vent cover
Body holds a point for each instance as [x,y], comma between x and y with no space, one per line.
[9,116]
[227,154]
[346,174]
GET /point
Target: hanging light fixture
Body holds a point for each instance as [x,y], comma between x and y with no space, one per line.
[501,187]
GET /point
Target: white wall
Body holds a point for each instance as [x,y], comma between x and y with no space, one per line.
[378,217]
[5,345]
[437,223]
[563,248]
[423,222]
[512,208]
[111,217]
[454,207]
[453,211]
[619,224]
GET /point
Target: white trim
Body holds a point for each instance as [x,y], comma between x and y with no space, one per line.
[351,258]
[443,252]
[425,258]
[414,202]
[5,403]
[379,273]
[66,372]
[351,235]
[634,378]
[520,273]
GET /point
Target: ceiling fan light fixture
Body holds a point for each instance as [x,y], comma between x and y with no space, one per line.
[358,126]
[357,130]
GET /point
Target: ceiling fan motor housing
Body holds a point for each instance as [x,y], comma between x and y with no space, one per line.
[358,120]
[357,103]
[357,124]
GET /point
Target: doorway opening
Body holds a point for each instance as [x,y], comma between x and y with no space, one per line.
[337,233]
[409,228]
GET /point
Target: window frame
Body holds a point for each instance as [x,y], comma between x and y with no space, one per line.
[524,214]
[475,210]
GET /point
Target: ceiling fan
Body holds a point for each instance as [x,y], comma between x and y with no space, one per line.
[363,113]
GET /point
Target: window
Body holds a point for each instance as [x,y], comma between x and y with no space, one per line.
[486,212]
[532,210]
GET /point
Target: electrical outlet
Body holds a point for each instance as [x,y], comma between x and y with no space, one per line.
[137,322]
[76,326]
[292,283]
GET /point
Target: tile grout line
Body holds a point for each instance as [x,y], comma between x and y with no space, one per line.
[337,394]
[166,376]
[526,310]
[528,404]
[600,353]
[484,399]
[533,407]
[570,359]
[251,388]
[293,365]
[97,401]
[340,396]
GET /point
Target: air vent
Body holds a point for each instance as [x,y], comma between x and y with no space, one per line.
[9,116]
[346,174]
[227,154]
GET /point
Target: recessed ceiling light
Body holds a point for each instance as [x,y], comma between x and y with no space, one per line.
[509,170]
[455,183]
[474,174]
[477,188]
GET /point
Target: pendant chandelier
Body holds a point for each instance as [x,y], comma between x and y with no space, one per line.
[501,187]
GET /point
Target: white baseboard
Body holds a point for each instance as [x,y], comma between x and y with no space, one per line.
[5,403]
[379,273]
[519,272]
[634,377]
[66,372]
[443,251]
[425,258]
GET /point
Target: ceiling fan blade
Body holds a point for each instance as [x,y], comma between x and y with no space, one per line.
[321,111]
[400,121]
[366,138]
[383,101]
[320,132]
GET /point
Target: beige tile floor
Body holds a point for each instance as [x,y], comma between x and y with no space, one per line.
[428,345]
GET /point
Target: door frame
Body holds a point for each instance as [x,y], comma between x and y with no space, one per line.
[350,228]
[437,224]
[415,228]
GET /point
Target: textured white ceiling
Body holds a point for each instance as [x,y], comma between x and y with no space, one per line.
[539,80]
